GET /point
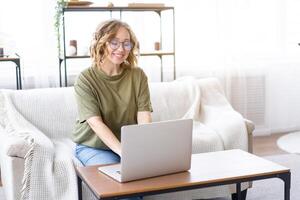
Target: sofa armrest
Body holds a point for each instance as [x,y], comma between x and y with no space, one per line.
[14,146]
[12,171]
[12,164]
[250,128]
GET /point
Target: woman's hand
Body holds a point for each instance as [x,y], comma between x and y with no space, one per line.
[144,117]
[105,134]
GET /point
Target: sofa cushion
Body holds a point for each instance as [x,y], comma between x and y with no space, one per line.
[174,100]
[43,107]
[51,110]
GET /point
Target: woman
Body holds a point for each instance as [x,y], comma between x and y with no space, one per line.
[111,93]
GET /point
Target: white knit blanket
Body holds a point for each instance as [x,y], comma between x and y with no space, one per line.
[217,114]
[49,171]
[203,101]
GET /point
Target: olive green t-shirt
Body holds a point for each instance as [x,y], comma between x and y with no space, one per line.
[117,99]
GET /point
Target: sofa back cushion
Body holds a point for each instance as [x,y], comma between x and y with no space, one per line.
[174,100]
[54,110]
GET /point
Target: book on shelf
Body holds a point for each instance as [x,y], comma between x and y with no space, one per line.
[150,5]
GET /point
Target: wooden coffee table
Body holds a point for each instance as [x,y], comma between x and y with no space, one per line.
[208,169]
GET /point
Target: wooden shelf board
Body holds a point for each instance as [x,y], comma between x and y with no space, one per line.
[156,53]
[98,8]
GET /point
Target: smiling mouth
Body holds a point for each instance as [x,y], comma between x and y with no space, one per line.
[119,55]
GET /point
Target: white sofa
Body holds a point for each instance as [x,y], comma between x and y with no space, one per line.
[52,113]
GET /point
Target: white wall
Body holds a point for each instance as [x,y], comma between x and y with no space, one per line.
[242,41]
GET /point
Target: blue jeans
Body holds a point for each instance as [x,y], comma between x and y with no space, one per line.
[93,156]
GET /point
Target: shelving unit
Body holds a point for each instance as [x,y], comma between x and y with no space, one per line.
[63,72]
[15,59]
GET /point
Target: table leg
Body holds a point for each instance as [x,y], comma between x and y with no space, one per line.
[79,184]
[20,78]
[238,191]
[60,81]
[66,76]
[286,192]
[17,78]
[286,177]
[18,74]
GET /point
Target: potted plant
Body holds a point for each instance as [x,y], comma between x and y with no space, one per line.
[60,4]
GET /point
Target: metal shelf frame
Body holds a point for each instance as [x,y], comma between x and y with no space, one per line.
[160,54]
[16,60]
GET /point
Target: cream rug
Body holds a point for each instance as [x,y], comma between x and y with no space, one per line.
[2,197]
[273,189]
[290,142]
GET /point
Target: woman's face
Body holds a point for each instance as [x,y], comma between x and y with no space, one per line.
[119,47]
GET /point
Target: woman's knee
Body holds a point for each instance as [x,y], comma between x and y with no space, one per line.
[103,158]
[92,156]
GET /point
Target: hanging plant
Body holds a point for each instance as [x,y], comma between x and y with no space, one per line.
[60,4]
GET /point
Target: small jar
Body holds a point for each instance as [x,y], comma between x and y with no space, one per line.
[157,46]
[110,5]
[73,48]
[1,52]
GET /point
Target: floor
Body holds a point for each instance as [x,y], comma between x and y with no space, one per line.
[266,145]
[262,146]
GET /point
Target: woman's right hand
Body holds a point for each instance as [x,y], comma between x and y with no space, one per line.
[105,134]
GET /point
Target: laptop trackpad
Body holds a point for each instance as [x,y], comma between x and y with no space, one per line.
[113,171]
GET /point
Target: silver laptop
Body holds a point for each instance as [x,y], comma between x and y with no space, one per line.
[153,149]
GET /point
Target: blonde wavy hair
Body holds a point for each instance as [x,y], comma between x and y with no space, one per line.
[105,32]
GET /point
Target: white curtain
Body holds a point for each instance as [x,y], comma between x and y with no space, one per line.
[30,30]
[250,45]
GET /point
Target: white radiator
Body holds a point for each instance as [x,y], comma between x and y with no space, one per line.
[247,96]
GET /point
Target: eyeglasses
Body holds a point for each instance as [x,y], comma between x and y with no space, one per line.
[115,44]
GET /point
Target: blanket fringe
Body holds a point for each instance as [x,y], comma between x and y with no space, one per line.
[27,173]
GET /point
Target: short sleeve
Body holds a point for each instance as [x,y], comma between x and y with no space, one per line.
[86,99]
[143,97]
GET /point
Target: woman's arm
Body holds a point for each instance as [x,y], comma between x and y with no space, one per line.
[144,117]
[105,134]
